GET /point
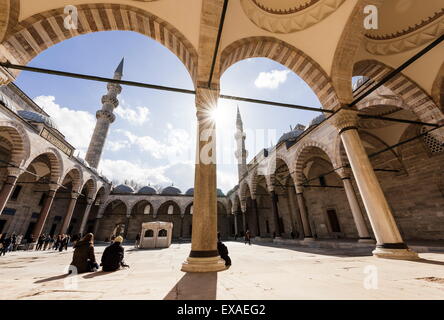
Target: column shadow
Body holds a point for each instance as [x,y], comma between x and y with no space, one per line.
[195,286]
[62,276]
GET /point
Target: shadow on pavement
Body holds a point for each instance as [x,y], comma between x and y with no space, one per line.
[195,286]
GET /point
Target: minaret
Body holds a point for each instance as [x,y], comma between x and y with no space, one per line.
[104,117]
[241,152]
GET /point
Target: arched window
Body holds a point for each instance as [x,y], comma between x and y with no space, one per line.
[170,209]
[191,209]
[149,233]
[162,233]
[147,209]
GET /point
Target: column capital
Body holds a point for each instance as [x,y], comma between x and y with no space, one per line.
[14,171]
[5,76]
[53,187]
[344,120]
[74,195]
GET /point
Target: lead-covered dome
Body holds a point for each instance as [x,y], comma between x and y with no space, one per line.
[123,188]
[147,190]
[317,120]
[292,135]
[190,192]
[37,117]
[171,191]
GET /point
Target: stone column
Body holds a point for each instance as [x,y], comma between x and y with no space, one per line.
[8,186]
[44,211]
[69,212]
[86,215]
[96,225]
[204,256]
[308,236]
[181,226]
[294,211]
[244,220]
[127,222]
[389,240]
[256,214]
[236,229]
[275,210]
[358,217]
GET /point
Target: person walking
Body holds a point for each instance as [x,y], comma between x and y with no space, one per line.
[46,242]
[248,237]
[62,242]
[40,242]
[83,259]
[223,251]
[112,258]
[66,242]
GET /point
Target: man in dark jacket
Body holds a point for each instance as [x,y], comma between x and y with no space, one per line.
[112,258]
[223,251]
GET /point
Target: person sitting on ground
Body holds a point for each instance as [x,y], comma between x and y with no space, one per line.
[83,259]
[112,258]
[223,251]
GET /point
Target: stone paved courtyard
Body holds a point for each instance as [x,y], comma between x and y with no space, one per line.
[258,272]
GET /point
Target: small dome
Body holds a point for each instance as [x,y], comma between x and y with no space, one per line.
[147,190]
[123,188]
[220,193]
[190,192]
[361,80]
[37,117]
[171,191]
[317,120]
[292,135]
[7,102]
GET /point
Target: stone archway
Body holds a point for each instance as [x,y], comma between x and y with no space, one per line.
[287,55]
[37,33]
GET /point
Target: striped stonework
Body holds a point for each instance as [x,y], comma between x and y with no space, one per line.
[414,97]
[39,32]
[306,151]
[287,55]
[18,139]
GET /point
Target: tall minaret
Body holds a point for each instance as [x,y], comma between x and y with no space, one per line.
[241,152]
[104,117]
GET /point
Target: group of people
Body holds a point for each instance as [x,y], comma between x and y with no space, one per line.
[84,259]
[47,242]
[10,243]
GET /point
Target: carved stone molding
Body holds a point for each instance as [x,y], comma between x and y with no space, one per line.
[289,20]
[406,40]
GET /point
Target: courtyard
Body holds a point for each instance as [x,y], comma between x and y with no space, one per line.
[259,271]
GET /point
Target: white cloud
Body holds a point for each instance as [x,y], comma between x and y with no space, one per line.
[116,145]
[272,79]
[69,121]
[176,147]
[226,180]
[137,116]
[122,170]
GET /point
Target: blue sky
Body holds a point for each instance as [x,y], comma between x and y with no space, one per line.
[152,140]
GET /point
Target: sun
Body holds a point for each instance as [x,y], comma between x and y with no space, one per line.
[222,114]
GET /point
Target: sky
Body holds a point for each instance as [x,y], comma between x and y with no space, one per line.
[152,140]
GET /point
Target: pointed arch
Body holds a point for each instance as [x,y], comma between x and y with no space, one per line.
[287,55]
[37,33]
[19,139]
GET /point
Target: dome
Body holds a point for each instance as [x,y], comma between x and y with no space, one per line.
[317,120]
[123,188]
[37,117]
[171,191]
[220,193]
[361,80]
[190,192]
[147,190]
[292,135]
[7,103]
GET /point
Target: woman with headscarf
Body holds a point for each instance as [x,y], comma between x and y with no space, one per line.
[83,259]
